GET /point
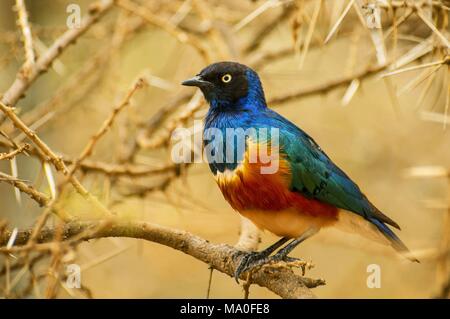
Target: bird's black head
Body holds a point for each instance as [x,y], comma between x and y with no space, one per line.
[228,84]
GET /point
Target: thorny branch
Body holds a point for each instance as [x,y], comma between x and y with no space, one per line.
[22,82]
[27,36]
[21,149]
[39,197]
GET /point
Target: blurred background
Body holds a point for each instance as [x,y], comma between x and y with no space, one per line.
[329,66]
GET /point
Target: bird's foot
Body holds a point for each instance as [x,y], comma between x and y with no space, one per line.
[253,260]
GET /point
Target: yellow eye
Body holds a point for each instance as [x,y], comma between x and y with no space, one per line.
[226,78]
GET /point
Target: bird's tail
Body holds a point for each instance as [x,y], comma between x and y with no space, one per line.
[395,242]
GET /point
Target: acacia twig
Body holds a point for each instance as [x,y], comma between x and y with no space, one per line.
[21,84]
[154,123]
[26,36]
[39,197]
[89,148]
[89,74]
[10,155]
[268,28]
[167,26]
[327,86]
[125,169]
[46,150]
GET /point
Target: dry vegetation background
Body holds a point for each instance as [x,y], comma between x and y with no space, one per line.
[103,104]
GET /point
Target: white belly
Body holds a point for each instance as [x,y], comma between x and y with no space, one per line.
[285,223]
[291,223]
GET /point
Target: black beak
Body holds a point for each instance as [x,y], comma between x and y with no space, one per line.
[196,81]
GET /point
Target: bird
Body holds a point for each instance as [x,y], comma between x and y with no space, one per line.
[307,191]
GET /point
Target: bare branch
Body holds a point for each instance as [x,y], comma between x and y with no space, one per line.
[87,151]
[39,197]
[7,156]
[21,84]
[268,28]
[52,157]
[433,28]
[26,35]
[327,86]
[129,170]
[173,30]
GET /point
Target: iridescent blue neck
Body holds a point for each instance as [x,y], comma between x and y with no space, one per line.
[255,97]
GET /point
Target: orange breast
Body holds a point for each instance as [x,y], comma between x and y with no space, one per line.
[267,200]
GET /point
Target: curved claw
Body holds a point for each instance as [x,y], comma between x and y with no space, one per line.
[286,259]
[248,261]
[291,259]
[255,259]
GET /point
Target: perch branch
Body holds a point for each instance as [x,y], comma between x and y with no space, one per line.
[280,280]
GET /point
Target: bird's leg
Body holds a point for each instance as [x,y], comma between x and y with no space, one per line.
[273,247]
[256,259]
[250,259]
[283,253]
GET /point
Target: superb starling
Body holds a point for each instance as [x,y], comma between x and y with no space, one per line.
[305,193]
